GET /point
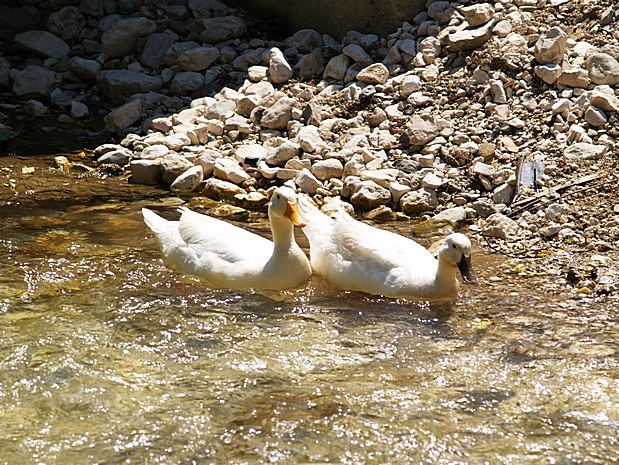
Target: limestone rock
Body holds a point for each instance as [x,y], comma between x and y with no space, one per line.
[549,73]
[172,166]
[603,69]
[453,215]
[279,69]
[66,23]
[84,68]
[186,82]
[279,155]
[309,139]
[33,81]
[421,129]
[376,73]
[188,181]
[411,83]
[155,49]
[122,38]
[327,169]
[311,65]
[477,14]
[119,84]
[470,38]
[604,98]
[307,182]
[221,190]
[222,28]
[114,157]
[501,226]
[42,43]
[356,53]
[278,115]
[370,195]
[574,76]
[146,172]
[595,117]
[584,151]
[198,59]
[305,40]
[419,201]
[124,116]
[336,68]
[228,169]
[78,110]
[430,49]
[551,46]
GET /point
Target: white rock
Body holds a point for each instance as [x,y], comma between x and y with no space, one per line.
[115,157]
[279,114]
[327,169]
[280,70]
[551,46]
[154,151]
[250,153]
[498,91]
[501,226]
[188,181]
[603,69]
[604,98]
[369,195]
[549,73]
[502,28]
[470,39]
[595,117]
[477,14]
[411,83]
[307,182]
[430,49]
[483,169]
[398,190]
[309,139]
[146,172]
[221,110]
[228,169]
[584,151]
[502,194]
[376,73]
[172,166]
[574,76]
[451,215]
[421,129]
[431,181]
[282,153]
[419,201]
[206,159]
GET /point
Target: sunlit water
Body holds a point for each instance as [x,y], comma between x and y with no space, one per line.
[109,357]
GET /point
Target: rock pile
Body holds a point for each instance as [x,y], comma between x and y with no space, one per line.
[439,118]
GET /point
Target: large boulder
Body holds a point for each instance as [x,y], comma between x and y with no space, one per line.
[42,43]
[119,84]
[122,38]
[33,81]
[222,28]
[66,23]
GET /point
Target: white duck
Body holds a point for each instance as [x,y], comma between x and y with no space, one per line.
[227,256]
[355,256]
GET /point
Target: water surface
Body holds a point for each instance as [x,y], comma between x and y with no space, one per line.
[109,357]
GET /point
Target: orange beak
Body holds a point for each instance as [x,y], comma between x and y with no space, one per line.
[292,213]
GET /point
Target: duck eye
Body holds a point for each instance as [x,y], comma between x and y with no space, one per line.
[453,245]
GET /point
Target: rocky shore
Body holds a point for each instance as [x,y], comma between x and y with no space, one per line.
[502,116]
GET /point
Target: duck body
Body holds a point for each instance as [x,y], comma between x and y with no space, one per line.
[227,256]
[355,256]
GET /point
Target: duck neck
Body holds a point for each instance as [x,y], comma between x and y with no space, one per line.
[446,276]
[283,233]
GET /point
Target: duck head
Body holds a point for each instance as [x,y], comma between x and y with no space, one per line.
[456,250]
[284,205]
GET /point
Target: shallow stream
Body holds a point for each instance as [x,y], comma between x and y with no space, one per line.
[107,356]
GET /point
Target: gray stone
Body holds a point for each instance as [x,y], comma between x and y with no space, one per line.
[33,81]
[603,69]
[502,28]
[119,84]
[122,38]
[502,194]
[84,68]
[279,69]
[115,157]
[35,108]
[42,43]
[199,58]
[173,165]
[311,65]
[421,129]
[278,115]
[222,28]
[92,8]
[604,98]
[595,117]
[451,215]
[124,116]
[470,38]
[78,110]
[370,195]
[477,14]
[430,49]
[411,83]
[327,169]
[5,72]
[66,23]
[177,49]
[186,82]
[305,40]
[154,151]
[208,8]
[188,181]
[155,49]
[376,73]
[574,76]
[357,54]
[146,172]
[551,46]
[336,68]
[419,201]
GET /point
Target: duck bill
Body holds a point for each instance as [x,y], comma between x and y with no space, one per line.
[292,213]
[465,269]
